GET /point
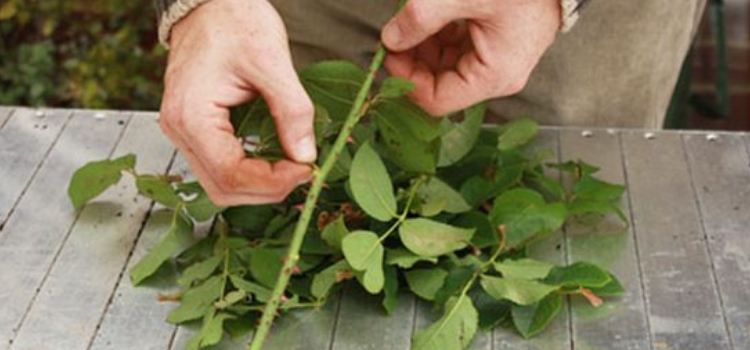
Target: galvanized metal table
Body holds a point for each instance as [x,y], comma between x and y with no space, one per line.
[685,259]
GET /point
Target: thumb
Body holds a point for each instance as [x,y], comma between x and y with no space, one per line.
[294,113]
[420,19]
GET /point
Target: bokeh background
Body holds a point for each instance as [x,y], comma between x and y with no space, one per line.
[104,54]
[80,53]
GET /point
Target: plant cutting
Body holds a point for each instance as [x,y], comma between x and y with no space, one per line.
[443,208]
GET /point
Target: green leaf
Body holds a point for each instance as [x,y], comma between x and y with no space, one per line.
[518,290]
[199,206]
[241,326]
[261,293]
[516,133]
[492,312]
[580,274]
[363,251]
[578,168]
[410,137]
[591,188]
[248,118]
[158,189]
[371,185]
[95,177]
[478,189]
[324,280]
[431,238]
[454,331]
[322,125]
[393,87]
[525,214]
[404,258]
[612,289]
[199,271]
[175,240]
[458,277]
[580,206]
[195,302]
[532,319]
[524,268]
[390,289]
[335,232]
[333,85]
[461,137]
[253,218]
[435,190]
[211,332]
[230,299]
[425,283]
[343,163]
[485,235]
[265,265]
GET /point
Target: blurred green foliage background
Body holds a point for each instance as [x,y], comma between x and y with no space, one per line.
[80,53]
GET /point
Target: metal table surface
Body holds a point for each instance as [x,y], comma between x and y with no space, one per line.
[684,260]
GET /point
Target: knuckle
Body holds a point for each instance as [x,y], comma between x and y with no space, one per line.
[416,15]
[516,85]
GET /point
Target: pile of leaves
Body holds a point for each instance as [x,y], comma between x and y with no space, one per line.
[444,208]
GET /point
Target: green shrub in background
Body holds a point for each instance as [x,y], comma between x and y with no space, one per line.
[80,53]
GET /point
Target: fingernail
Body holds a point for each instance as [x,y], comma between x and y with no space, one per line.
[305,149]
[391,34]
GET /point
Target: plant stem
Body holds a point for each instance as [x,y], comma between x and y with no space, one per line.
[355,113]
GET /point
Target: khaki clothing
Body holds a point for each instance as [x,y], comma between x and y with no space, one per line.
[616,68]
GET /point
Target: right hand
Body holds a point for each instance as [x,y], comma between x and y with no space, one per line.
[224,53]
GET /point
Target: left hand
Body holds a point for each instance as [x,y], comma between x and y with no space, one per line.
[460,52]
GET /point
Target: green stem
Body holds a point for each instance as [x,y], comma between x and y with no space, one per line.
[292,256]
[401,218]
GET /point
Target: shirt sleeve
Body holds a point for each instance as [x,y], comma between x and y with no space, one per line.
[170,12]
[570,13]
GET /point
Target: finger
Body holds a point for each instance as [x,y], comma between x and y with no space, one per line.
[218,161]
[213,142]
[420,19]
[290,106]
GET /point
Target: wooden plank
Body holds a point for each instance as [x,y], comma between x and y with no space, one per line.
[24,142]
[682,303]
[721,178]
[5,113]
[74,295]
[618,324]
[135,310]
[139,303]
[39,225]
[363,325]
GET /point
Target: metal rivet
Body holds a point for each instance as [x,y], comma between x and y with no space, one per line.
[99,115]
[712,137]
[649,136]
[587,133]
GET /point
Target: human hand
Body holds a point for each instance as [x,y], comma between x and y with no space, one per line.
[224,53]
[460,52]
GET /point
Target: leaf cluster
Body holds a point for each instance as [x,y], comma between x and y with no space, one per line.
[444,208]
